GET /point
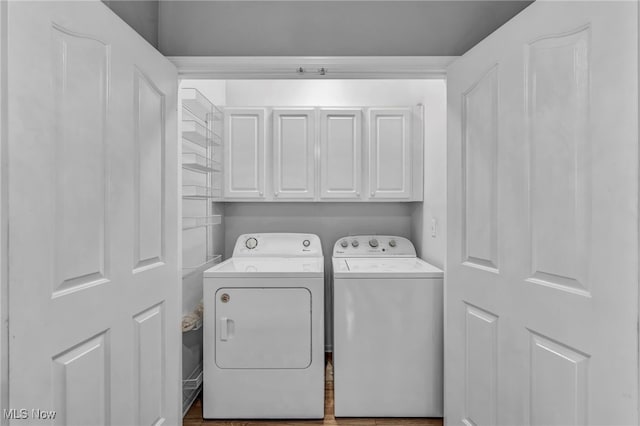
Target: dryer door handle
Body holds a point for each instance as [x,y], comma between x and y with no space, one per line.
[224,329]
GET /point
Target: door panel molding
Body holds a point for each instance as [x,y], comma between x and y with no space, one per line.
[480,172]
[149,105]
[81,382]
[481,366]
[555,368]
[557,69]
[80,72]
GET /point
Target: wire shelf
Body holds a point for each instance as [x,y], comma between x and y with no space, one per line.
[189,222]
[199,163]
[196,103]
[187,270]
[198,192]
[195,132]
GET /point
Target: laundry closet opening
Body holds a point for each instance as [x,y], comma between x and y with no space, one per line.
[419,214]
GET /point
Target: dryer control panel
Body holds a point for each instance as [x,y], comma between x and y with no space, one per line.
[373,246]
[278,245]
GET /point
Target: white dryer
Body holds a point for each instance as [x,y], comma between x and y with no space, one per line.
[264,330]
[388,329]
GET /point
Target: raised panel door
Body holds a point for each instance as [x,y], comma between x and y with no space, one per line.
[340,153]
[294,157]
[542,244]
[390,153]
[93,265]
[244,153]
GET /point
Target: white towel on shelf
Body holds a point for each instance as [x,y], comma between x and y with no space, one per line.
[193,319]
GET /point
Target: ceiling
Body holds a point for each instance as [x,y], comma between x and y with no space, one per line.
[328,28]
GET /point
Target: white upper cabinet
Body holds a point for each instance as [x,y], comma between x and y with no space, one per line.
[244,167]
[294,143]
[390,153]
[340,153]
[319,154]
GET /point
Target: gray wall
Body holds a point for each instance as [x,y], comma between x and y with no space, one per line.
[328,28]
[329,221]
[141,15]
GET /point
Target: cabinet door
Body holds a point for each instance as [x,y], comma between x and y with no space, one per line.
[390,152]
[340,153]
[244,153]
[294,153]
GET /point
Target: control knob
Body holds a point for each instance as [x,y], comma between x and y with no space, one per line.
[251,243]
[306,243]
[355,243]
[373,243]
[344,243]
[392,243]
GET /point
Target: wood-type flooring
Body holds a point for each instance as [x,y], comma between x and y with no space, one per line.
[194,415]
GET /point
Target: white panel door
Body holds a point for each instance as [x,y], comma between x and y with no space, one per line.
[390,153]
[542,252]
[244,166]
[294,157]
[93,266]
[340,153]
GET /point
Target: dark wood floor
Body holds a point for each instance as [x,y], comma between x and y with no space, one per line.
[194,416]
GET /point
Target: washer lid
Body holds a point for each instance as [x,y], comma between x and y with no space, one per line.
[388,267]
[243,267]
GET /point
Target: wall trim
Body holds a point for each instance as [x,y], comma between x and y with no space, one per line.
[336,67]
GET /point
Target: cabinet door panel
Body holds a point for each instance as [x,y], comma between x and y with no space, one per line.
[294,153]
[244,153]
[340,153]
[390,152]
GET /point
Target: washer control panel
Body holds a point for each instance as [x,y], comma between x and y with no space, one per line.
[373,245]
[278,245]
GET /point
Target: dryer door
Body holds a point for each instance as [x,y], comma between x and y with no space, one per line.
[263,328]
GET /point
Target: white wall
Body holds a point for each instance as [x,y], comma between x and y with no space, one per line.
[334,220]
[430,93]
[328,28]
[433,248]
[328,92]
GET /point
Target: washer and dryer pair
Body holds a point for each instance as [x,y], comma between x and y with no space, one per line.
[264,329]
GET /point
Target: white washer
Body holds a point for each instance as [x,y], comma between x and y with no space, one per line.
[388,329]
[264,330]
